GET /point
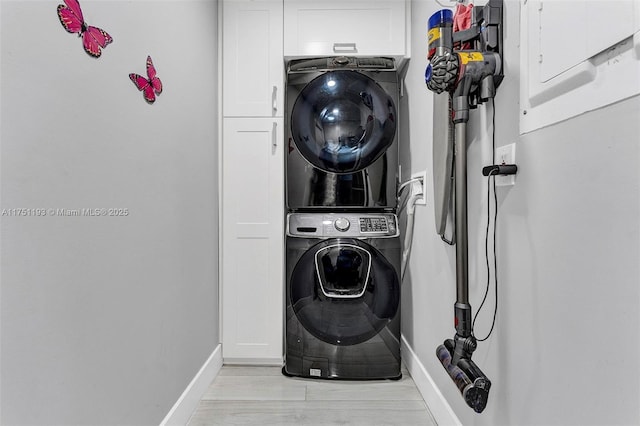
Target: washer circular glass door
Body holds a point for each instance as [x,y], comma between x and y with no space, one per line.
[343,121]
[343,291]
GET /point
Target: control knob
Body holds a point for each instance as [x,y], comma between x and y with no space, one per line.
[342,224]
[341,60]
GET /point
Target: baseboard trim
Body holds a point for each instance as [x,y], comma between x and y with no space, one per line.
[181,411]
[442,412]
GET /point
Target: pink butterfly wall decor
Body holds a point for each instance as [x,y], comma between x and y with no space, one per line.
[93,38]
[150,86]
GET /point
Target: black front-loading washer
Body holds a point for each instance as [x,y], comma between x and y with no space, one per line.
[342,296]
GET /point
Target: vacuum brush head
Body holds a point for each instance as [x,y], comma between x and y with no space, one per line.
[475,392]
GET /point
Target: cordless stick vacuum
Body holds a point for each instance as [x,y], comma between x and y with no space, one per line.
[469,76]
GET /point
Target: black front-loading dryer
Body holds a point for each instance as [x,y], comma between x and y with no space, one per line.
[342,134]
[342,296]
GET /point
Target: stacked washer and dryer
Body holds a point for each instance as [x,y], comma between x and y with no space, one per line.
[342,243]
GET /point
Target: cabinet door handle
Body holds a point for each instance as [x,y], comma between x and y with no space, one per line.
[274,135]
[345,48]
[274,98]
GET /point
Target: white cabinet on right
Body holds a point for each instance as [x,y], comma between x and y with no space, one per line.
[348,27]
[601,67]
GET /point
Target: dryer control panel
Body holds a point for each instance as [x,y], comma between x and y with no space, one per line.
[339,62]
[354,225]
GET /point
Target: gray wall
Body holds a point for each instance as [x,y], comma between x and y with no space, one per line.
[105,320]
[566,349]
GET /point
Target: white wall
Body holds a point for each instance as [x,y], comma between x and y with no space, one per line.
[105,320]
[566,349]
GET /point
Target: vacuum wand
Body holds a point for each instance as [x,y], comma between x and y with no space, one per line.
[462,261]
[455,354]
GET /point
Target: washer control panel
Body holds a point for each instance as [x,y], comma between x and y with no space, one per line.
[374,224]
[356,225]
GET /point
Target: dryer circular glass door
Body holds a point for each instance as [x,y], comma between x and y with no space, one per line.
[344,291]
[343,121]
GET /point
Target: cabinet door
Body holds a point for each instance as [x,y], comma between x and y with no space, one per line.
[353,27]
[253,67]
[600,68]
[252,239]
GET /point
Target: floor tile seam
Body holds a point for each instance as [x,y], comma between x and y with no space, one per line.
[302,409]
[261,401]
[246,376]
[354,403]
[364,400]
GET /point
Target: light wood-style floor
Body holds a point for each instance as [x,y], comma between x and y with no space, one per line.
[242,395]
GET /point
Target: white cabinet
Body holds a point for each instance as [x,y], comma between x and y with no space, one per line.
[253,64]
[252,242]
[350,27]
[600,68]
[252,164]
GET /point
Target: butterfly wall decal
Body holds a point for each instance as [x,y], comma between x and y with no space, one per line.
[93,38]
[151,86]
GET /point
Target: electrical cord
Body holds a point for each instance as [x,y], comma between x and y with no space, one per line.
[403,203]
[405,184]
[408,234]
[415,194]
[486,240]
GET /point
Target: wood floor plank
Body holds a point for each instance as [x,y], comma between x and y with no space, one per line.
[255,388]
[387,390]
[313,413]
[246,395]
